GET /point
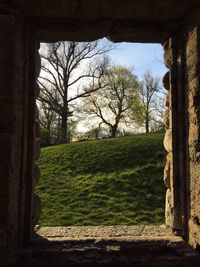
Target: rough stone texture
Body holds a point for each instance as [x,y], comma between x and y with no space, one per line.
[37,89]
[36,174]
[106,246]
[37,65]
[36,211]
[168,62]
[121,21]
[37,150]
[139,21]
[168,178]
[165,79]
[13,127]
[105,232]
[169,208]
[168,140]
[102,8]
[167,172]
[37,113]
[193,62]
[37,129]
[166,118]
[167,100]
[16,130]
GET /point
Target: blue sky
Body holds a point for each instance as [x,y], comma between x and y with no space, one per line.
[140,56]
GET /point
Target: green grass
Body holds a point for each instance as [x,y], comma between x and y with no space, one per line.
[103,182]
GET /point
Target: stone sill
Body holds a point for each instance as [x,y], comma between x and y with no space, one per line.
[106,232]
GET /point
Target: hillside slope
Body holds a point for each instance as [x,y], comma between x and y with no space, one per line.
[103,182]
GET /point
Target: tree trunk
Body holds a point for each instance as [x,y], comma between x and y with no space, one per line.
[147,124]
[113,131]
[48,134]
[64,129]
[58,130]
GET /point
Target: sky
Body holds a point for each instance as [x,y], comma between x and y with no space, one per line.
[141,57]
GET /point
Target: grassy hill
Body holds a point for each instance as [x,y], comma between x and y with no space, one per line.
[103,182]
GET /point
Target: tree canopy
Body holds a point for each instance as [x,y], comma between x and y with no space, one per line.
[116,101]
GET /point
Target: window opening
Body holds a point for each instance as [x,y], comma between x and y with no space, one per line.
[94,171]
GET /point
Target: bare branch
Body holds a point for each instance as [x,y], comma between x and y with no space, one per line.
[61,66]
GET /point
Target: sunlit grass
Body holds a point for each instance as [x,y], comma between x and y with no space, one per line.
[105,182]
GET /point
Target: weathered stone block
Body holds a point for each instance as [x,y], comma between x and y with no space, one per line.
[37,89]
[193,86]
[36,209]
[37,65]
[192,69]
[167,172]
[37,129]
[166,118]
[168,209]
[168,140]
[167,55]
[37,150]
[193,134]
[194,221]
[192,57]
[36,174]
[166,81]
[167,100]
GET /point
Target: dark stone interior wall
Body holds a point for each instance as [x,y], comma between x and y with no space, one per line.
[17,100]
[18,92]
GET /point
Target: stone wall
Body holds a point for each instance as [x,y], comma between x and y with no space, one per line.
[193,83]
[36,170]
[171,175]
[168,177]
[19,126]
[108,252]
[182,139]
[16,129]
[176,172]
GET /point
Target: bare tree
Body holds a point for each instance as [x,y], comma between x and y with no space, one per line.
[48,120]
[157,122]
[149,94]
[112,104]
[66,69]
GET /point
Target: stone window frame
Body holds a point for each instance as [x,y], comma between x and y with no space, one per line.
[175,213]
[21,134]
